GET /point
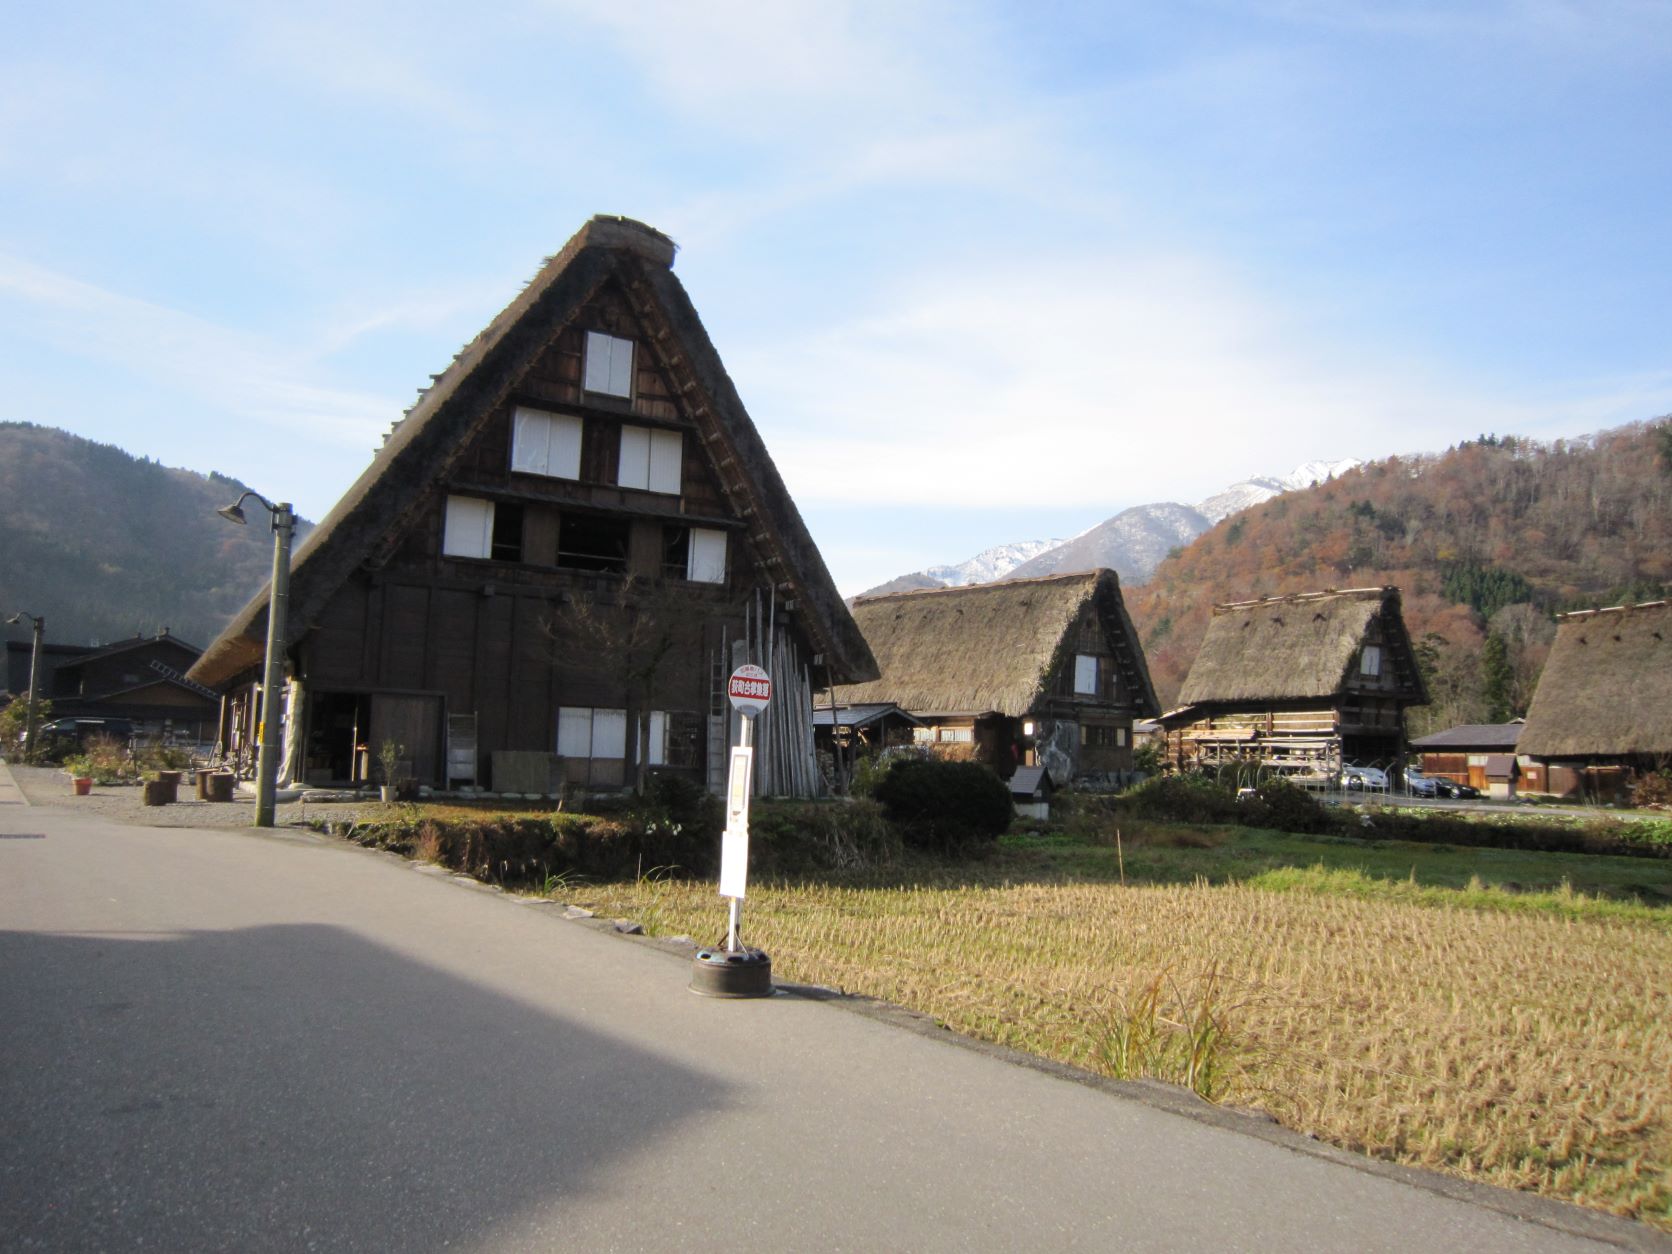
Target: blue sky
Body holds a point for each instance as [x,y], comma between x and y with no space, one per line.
[981,272]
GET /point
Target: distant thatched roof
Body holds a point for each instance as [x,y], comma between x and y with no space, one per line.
[484,373]
[1607,688]
[989,647]
[1293,648]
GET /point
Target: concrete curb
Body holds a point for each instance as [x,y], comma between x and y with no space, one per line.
[10,792]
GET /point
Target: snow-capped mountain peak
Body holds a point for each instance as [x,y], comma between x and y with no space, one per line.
[991,564]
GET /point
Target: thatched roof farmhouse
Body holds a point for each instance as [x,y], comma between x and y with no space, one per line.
[1603,707]
[581,476]
[1045,670]
[1302,682]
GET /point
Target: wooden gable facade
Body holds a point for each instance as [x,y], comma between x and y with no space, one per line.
[1300,684]
[1031,672]
[559,554]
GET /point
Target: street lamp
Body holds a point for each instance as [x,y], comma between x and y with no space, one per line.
[34,680]
[267,761]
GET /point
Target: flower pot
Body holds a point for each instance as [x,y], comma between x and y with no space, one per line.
[386,793]
[83,785]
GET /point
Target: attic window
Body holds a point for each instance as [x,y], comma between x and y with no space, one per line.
[609,365]
[651,460]
[1085,675]
[545,444]
[1370,661]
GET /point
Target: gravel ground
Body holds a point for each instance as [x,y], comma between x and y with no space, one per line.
[121,803]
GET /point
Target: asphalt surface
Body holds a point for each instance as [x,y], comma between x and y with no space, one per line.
[233,1040]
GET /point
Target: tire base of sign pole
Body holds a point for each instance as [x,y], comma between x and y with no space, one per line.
[731,973]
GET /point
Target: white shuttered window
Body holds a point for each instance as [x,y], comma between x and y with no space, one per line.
[609,364]
[1085,674]
[585,732]
[651,460]
[545,444]
[655,751]
[706,562]
[469,527]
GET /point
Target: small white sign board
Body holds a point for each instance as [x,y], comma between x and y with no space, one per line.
[734,841]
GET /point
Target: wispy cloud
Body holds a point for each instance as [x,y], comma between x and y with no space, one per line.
[244,377]
[1112,379]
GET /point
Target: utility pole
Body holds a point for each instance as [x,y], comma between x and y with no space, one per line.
[39,625]
[267,759]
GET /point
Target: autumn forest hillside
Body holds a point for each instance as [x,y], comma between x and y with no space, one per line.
[1487,541]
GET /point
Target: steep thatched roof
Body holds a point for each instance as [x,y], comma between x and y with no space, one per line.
[1293,648]
[1607,689]
[989,648]
[485,373]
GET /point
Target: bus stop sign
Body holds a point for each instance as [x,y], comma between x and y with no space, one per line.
[750,689]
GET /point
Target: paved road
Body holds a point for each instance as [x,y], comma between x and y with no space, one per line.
[226,1040]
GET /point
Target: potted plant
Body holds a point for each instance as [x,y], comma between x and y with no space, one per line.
[389,758]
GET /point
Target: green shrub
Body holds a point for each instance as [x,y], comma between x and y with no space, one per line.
[1285,807]
[799,837]
[104,760]
[1180,799]
[945,805]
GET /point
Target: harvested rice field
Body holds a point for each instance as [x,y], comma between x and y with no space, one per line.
[1520,1037]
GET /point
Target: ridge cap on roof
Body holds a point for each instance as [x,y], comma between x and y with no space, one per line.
[1060,576]
[1294,598]
[1612,609]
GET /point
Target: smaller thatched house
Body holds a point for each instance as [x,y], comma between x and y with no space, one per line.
[1034,672]
[1603,708]
[1300,684]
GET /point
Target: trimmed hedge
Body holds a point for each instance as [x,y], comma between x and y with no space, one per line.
[945,805]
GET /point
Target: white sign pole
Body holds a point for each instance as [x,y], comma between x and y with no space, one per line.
[749,690]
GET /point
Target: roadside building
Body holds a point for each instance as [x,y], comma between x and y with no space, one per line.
[558,555]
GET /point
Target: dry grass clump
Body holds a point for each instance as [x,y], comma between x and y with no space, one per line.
[1529,1050]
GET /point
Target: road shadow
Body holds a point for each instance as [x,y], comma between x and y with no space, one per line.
[298,1087]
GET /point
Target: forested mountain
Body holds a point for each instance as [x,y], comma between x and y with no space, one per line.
[105,545]
[1487,541]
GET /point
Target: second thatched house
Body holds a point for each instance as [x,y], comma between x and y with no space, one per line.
[1603,709]
[1044,672]
[1300,684]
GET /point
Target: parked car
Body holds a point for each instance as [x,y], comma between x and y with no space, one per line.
[1451,788]
[70,735]
[1372,778]
[1420,785]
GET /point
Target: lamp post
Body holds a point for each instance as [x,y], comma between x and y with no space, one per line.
[39,625]
[267,760]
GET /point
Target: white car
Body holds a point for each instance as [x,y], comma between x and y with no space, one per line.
[1364,777]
